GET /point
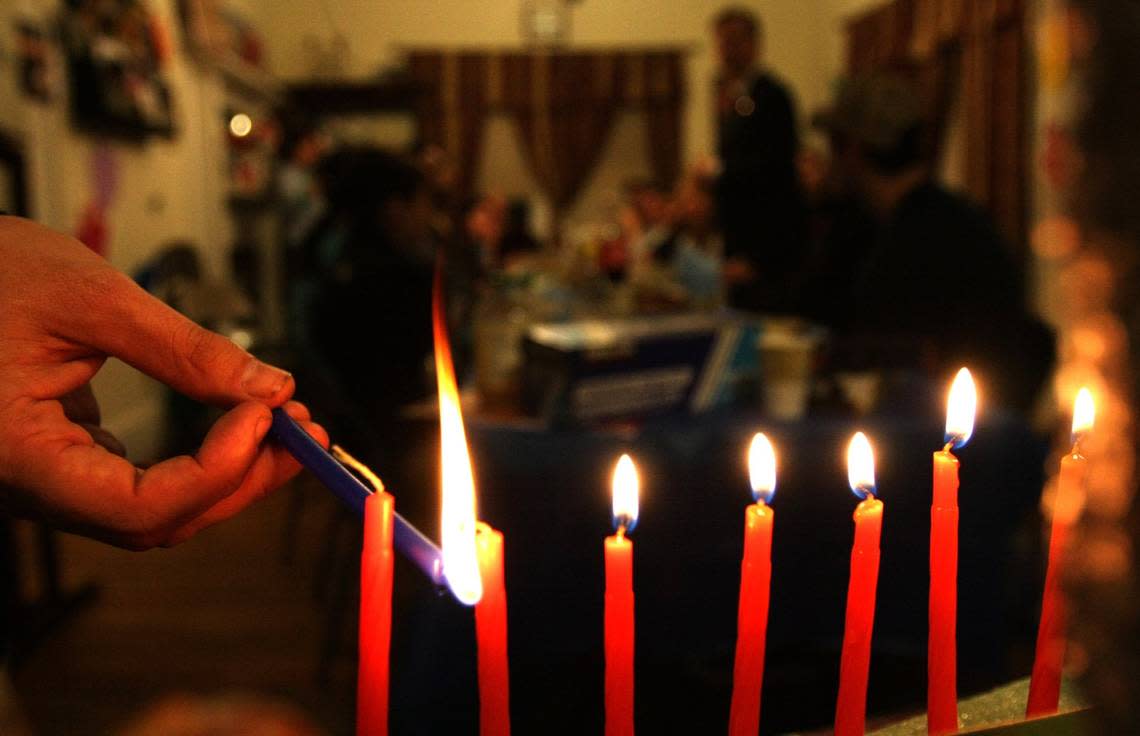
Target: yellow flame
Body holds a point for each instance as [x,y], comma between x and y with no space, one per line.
[762,468]
[1084,412]
[861,465]
[457,512]
[625,491]
[961,407]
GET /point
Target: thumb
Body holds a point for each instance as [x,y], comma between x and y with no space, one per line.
[142,331]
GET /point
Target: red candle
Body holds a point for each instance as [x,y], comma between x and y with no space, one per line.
[1045,684]
[375,616]
[755,579]
[942,644]
[491,633]
[855,664]
[619,631]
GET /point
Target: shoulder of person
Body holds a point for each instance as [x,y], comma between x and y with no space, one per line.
[767,84]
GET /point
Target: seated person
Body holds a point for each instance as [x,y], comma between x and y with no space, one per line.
[939,287]
[371,314]
[517,241]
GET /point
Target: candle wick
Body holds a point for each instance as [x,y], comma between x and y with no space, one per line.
[621,531]
[342,455]
[949,446]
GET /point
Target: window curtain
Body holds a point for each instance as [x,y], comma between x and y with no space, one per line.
[563,105]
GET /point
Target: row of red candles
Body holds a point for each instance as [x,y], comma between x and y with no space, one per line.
[942,716]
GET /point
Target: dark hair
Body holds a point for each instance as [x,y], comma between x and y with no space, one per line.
[741,15]
[295,129]
[906,152]
[359,179]
[518,214]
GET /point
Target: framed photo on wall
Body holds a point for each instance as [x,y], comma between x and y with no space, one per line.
[115,51]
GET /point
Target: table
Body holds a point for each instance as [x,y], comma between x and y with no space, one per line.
[548,491]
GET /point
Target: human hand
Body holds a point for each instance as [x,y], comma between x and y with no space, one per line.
[63,312]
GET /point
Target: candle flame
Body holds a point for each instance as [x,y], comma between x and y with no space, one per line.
[1084,411]
[625,492]
[762,468]
[457,513]
[861,466]
[961,407]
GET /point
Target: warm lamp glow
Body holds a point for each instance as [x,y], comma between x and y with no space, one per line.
[241,125]
[960,409]
[1084,411]
[625,489]
[762,468]
[861,466]
[457,514]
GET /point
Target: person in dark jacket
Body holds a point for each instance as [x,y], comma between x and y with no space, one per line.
[759,203]
[939,287]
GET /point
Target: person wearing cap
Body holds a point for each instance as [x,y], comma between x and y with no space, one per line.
[939,284]
[759,203]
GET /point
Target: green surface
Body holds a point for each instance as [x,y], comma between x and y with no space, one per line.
[1002,711]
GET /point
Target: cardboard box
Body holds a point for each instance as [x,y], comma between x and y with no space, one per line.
[596,371]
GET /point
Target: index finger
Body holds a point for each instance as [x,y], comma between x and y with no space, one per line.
[134,326]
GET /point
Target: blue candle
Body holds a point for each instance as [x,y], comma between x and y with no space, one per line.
[410,541]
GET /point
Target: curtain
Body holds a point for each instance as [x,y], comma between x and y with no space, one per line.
[563,105]
[454,116]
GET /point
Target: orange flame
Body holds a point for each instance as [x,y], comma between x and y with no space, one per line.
[961,407]
[1084,412]
[457,508]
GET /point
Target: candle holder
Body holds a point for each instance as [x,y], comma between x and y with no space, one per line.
[1000,712]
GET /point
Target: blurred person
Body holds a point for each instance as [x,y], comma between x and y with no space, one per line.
[939,284]
[65,312]
[683,256]
[840,234]
[759,203]
[646,206]
[376,274]
[303,145]
[483,226]
[646,219]
[371,340]
[518,240]
[697,261]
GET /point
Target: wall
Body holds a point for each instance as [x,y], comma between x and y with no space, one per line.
[166,189]
[798,48]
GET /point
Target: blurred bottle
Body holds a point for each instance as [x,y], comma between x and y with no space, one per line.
[501,320]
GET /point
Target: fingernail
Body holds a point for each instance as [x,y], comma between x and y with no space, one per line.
[263,381]
[262,428]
